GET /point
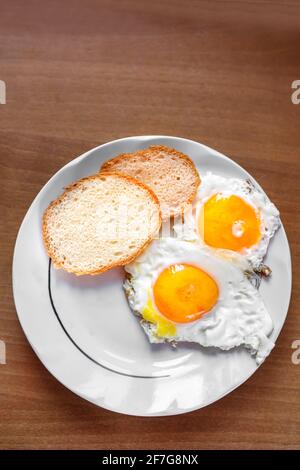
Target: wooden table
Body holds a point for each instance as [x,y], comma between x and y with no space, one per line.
[79,74]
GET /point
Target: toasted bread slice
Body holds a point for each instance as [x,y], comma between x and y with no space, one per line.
[169,173]
[99,222]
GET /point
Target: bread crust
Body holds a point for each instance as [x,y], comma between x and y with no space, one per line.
[158,148]
[57,263]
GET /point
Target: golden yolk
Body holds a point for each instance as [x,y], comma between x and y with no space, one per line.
[229,222]
[183,293]
[164,327]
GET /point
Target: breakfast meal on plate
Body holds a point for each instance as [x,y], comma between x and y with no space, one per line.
[169,173]
[183,293]
[230,214]
[195,286]
[100,222]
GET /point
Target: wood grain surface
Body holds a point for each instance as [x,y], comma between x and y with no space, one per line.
[80,73]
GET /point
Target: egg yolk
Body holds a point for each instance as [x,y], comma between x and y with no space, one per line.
[164,327]
[229,222]
[183,293]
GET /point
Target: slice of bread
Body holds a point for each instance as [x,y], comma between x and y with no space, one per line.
[169,173]
[99,222]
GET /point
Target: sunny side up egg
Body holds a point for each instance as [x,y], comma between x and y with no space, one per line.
[230,215]
[182,292]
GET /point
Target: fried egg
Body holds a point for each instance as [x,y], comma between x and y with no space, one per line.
[183,292]
[230,214]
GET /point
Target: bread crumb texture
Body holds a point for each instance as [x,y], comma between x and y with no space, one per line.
[99,222]
[170,174]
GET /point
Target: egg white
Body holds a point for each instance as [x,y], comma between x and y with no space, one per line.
[239,316]
[212,184]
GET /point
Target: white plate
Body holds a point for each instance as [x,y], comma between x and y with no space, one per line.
[84,333]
